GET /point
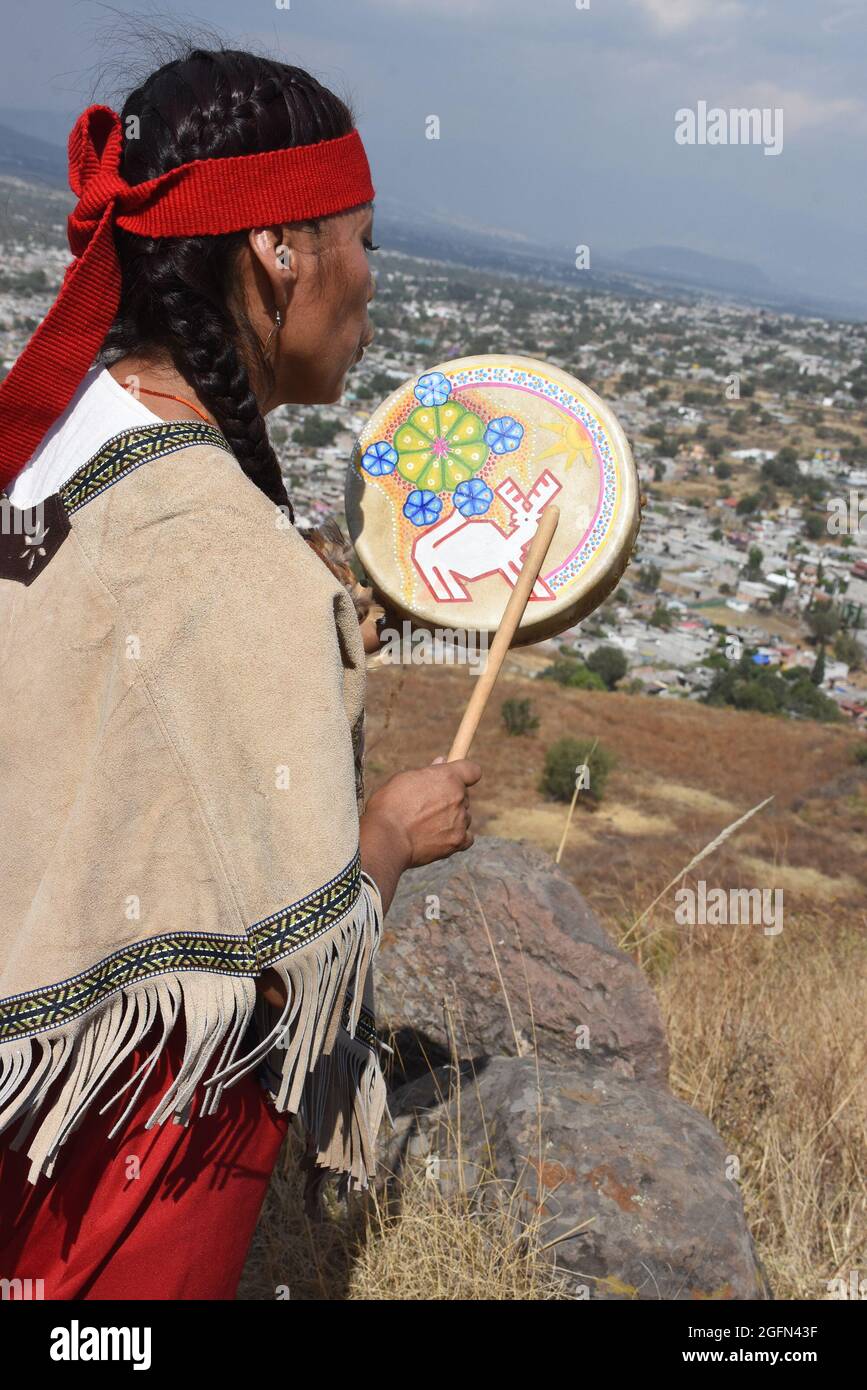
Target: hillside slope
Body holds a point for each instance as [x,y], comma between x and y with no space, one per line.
[685,771]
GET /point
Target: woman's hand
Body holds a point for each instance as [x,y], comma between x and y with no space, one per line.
[414,818]
[428,809]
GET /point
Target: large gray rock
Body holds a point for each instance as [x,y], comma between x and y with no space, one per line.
[640,1173]
[511,928]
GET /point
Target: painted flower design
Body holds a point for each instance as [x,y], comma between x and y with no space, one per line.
[473,497]
[440,446]
[504,434]
[379,458]
[422,507]
[433,388]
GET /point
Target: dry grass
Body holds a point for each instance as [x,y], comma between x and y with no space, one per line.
[767,1039]
[766,1033]
[409,1241]
[473,1246]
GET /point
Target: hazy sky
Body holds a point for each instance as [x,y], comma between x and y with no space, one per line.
[556,122]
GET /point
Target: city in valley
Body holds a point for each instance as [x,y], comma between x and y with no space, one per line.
[748,585]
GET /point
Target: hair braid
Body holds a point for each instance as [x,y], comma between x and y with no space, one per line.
[176,291]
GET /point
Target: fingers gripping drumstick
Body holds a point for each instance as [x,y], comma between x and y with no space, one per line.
[505,632]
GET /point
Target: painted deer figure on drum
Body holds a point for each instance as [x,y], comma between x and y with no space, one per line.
[460,548]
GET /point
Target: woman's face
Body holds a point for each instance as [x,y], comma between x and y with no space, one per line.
[324,286]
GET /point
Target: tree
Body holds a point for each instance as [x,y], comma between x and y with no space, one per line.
[817,675]
[750,687]
[847,649]
[823,620]
[648,578]
[784,472]
[609,663]
[661,616]
[753,566]
[567,671]
[723,469]
[747,504]
[317,432]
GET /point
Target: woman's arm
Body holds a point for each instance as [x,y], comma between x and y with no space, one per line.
[413,819]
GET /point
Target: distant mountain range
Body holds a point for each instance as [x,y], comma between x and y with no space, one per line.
[644,269]
[677,263]
[438,236]
[32,158]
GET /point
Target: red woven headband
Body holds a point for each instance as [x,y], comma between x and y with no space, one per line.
[203,198]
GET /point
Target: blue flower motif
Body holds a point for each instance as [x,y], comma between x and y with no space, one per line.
[379,458]
[473,497]
[433,388]
[422,507]
[504,435]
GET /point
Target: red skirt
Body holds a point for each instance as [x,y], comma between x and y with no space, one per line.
[164,1213]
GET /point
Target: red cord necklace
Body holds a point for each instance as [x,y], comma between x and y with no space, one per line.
[167,396]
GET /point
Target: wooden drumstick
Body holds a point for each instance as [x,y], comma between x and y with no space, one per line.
[505,632]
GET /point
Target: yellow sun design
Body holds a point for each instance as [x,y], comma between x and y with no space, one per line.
[574,444]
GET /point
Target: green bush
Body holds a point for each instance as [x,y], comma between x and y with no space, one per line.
[609,663]
[563,759]
[860,754]
[518,717]
[566,671]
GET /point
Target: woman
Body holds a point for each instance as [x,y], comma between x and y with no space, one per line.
[193,895]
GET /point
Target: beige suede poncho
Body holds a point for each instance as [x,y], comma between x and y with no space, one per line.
[182,692]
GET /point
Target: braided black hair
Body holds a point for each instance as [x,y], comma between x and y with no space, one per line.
[176,292]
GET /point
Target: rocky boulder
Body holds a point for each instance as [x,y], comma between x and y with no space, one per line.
[473,941]
[628,1183]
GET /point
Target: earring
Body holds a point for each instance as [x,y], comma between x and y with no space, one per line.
[278,324]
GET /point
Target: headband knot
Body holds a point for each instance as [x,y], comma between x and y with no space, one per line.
[95,147]
[206,197]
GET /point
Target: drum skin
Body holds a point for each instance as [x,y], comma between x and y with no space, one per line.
[448,480]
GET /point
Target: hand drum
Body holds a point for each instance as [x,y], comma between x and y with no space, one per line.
[451,474]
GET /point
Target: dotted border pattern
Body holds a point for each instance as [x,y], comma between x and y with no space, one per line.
[565,400]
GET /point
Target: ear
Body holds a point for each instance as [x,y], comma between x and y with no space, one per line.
[275,259]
